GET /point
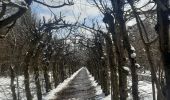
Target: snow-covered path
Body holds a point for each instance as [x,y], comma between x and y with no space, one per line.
[81,87]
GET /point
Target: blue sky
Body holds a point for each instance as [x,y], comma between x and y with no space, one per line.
[81,9]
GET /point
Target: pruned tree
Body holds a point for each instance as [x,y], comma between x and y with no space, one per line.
[162,29]
[11,11]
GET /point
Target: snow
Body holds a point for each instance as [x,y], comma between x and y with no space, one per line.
[61,86]
[95,84]
[126,68]
[5,92]
[132,48]
[145,87]
[145,90]
[102,57]
[143,49]
[133,55]
[137,65]
[146,73]
[105,54]
[107,97]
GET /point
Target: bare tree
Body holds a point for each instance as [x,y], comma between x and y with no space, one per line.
[162,29]
[10,11]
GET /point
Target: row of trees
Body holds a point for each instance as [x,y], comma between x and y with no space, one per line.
[110,49]
[33,48]
[35,51]
[107,53]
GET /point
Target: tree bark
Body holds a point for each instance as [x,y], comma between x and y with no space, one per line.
[26,74]
[47,80]
[36,72]
[12,83]
[162,28]
[127,45]
[55,73]
[113,69]
[164,45]
[25,66]
[122,72]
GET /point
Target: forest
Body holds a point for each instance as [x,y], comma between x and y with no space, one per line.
[121,47]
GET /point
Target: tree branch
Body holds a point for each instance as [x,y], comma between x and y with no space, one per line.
[59,6]
[12,18]
[2,13]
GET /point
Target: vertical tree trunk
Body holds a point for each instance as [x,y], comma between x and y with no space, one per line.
[118,6]
[117,38]
[104,79]
[164,35]
[27,84]
[36,72]
[153,74]
[122,72]
[147,48]
[25,66]
[55,73]
[12,82]
[122,84]
[132,60]
[113,69]
[47,80]
[18,92]
[37,83]
[153,89]
[26,74]
[103,72]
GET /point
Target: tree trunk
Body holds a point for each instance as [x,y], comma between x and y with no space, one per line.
[153,74]
[27,84]
[25,66]
[55,73]
[118,6]
[37,82]
[113,69]
[104,80]
[122,72]
[12,83]
[18,92]
[133,68]
[127,45]
[47,80]
[164,35]
[153,89]
[36,72]
[117,38]
[26,75]
[103,70]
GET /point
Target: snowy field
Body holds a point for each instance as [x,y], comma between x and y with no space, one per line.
[65,84]
[51,95]
[145,88]
[5,90]
[145,91]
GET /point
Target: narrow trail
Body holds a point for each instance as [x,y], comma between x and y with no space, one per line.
[81,87]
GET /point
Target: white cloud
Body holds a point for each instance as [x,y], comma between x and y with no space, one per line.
[81,9]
